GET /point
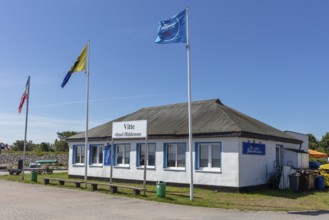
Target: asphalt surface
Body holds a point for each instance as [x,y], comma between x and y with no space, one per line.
[36,202]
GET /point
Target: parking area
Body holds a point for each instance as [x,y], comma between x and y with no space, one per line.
[33,201]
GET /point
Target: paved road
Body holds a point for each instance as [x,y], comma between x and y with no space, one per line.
[31,201]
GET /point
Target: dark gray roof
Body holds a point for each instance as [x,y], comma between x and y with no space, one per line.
[210,119]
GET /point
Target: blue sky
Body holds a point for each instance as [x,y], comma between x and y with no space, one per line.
[267,59]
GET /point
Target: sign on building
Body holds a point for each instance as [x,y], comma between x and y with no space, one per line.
[253,148]
[129,129]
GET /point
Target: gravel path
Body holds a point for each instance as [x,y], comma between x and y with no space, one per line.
[36,202]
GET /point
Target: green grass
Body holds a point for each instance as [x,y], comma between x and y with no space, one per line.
[259,200]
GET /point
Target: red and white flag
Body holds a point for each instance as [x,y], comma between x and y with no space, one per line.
[25,95]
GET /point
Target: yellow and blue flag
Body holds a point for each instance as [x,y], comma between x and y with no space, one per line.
[172,30]
[78,66]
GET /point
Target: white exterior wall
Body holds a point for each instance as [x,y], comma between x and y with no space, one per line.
[228,176]
[302,137]
[255,169]
[291,158]
[237,169]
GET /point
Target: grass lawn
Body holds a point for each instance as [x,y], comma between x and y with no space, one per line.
[260,200]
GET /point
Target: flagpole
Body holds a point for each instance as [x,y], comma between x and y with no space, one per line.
[112,157]
[26,120]
[189,105]
[145,159]
[87,113]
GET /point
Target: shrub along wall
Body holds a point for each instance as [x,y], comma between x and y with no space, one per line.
[10,158]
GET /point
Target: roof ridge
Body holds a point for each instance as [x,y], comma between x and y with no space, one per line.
[183,103]
[224,112]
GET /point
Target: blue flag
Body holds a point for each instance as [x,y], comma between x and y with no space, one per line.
[172,30]
[107,155]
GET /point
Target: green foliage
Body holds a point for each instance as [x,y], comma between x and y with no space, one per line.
[43,147]
[312,142]
[19,145]
[320,160]
[324,143]
[65,134]
[62,145]
[35,152]
[58,146]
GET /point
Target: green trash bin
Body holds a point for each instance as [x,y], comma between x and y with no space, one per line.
[161,189]
[34,176]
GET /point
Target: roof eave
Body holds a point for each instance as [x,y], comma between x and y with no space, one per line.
[202,135]
[270,137]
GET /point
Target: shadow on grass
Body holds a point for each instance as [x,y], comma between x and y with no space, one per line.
[179,194]
[310,213]
[284,193]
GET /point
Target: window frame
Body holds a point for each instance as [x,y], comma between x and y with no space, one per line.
[138,152]
[209,168]
[165,158]
[124,155]
[75,151]
[99,147]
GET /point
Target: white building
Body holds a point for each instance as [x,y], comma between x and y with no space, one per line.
[231,151]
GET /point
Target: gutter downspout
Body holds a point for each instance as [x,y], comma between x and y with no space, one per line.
[300,145]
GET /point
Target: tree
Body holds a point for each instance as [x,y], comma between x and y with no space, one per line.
[312,142]
[19,145]
[65,134]
[62,145]
[45,146]
[324,143]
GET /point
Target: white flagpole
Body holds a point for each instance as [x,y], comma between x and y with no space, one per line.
[189,105]
[26,119]
[145,158]
[112,158]
[87,113]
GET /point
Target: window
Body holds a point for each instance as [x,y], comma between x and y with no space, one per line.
[208,156]
[122,154]
[78,154]
[174,155]
[141,155]
[96,154]
[279,156]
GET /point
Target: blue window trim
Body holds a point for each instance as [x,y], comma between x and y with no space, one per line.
[165,152]
[196,148]
[196,154]
[137,153]
[89,154]
[137,157]
[74,150]
[164,165]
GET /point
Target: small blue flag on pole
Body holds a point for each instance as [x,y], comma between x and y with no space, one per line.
[172,30]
